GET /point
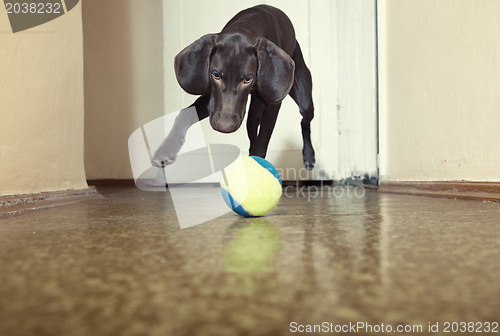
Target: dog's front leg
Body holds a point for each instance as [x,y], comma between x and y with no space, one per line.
[170,147]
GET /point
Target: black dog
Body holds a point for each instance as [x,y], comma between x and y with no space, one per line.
[256,53]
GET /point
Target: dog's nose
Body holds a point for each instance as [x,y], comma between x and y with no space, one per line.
[225,123]
[225,127]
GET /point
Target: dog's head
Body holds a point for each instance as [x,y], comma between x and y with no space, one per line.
[229,67]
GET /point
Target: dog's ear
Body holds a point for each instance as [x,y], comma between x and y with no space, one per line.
[275,73]
[192,65]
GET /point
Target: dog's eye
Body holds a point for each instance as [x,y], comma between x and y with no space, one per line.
[248,79]
[216,75]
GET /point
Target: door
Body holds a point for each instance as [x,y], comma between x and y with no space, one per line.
[357,96]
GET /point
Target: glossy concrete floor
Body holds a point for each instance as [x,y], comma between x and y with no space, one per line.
[122,266]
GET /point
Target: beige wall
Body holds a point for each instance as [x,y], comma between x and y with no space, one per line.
[41,106]
[439,89]
[123,43]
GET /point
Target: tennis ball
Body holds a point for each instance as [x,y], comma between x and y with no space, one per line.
[251,186]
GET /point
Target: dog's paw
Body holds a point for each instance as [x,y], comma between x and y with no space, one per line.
[309,157]
[309,165]
[167,153]
[162,163]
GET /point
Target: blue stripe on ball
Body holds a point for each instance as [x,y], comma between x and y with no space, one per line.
[266,164]
[233,204]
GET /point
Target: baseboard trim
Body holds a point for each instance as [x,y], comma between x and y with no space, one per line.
[483,191]
[131,183]
[111,182]
[17,204]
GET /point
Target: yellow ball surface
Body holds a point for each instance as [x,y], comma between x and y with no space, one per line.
[251,186]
